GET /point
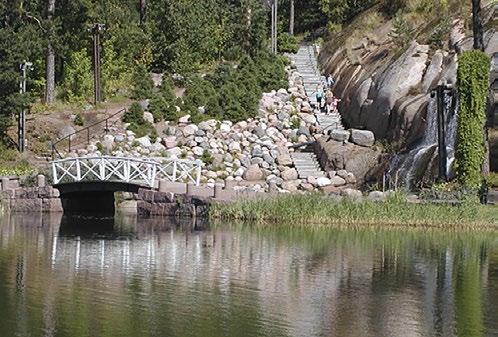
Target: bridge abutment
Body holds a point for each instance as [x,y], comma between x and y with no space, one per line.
[89,203]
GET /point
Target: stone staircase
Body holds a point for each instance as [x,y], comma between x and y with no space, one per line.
[307,165]
[306,63]
[307,66]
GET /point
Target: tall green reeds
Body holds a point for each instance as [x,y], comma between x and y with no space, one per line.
[320,210]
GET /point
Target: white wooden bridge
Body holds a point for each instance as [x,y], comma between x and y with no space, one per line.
[138,171]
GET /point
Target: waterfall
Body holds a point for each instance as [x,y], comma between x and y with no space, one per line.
[407,169]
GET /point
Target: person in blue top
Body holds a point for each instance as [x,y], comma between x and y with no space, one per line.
[330,81]
[319,96]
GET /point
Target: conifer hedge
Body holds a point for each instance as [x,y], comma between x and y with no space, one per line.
[473,86]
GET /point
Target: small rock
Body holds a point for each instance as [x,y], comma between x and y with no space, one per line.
[351,194]
[323,181]
[148,117]
[342,173]
[253,173]
[337,181]
[284,160]
[290,186]
[190,130]
[184,119]
[376,196]
[225,128]
[350,178]
[144,142]
[289,174]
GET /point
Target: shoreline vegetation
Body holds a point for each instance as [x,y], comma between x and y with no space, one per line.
[318,210]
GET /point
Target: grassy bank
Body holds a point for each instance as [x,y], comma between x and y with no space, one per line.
[319,210]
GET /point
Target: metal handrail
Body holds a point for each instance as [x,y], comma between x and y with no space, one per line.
[86,129]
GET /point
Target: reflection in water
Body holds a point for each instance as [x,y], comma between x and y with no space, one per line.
[88,277]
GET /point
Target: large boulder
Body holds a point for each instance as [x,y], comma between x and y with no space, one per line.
[362,137]
[66,131]
[358,160]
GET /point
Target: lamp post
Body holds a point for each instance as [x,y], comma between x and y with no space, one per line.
[21,132]
[97,29]
[442,92]
[274,26]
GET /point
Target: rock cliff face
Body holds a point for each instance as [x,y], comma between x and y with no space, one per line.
[386,91]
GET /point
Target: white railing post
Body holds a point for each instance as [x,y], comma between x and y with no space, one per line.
[78,170]
[175,162]
[199,171]
[102,164]
[127,170]
[153,173]
[54,173]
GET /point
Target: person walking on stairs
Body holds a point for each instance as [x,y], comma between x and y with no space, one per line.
[319,96]
[330,81]
[329,101]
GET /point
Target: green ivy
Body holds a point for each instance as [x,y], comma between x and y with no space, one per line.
[473,86]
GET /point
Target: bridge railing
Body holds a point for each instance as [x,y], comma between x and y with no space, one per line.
[140,171]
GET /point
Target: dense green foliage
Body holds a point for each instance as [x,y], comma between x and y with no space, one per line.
[287,43]
[135,116]
[473,86]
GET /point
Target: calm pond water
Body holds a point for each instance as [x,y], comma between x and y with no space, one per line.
[153,278]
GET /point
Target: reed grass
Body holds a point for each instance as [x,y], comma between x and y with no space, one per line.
[321,211]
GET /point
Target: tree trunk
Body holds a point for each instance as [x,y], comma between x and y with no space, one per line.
[50,61]
[143,6]
[291,19]
[477,25]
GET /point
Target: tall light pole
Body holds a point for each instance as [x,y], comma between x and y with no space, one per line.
[97,29]
[21,132]
[274,26]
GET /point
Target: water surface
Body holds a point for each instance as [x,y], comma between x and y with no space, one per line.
[73,277]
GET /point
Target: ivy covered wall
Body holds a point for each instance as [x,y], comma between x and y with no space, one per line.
[473,87]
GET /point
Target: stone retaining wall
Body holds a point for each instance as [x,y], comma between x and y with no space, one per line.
[41,198]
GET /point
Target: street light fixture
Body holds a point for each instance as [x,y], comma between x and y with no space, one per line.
[21,134]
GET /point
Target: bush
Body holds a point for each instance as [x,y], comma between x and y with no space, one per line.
[78,120]
[233,93]
[78,81]
[473,85]
[135,114]
[287,43]
[162,104]
[143,85]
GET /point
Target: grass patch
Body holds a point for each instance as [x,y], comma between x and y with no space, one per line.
[322,211]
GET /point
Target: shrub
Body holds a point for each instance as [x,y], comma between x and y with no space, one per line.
[473,84]
[162,104]
[78,120]
[135,114]
[287,43]
[143,85]
[78,82]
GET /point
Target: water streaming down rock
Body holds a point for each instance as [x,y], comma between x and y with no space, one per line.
[410,168]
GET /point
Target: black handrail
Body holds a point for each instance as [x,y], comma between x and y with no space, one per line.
[88,136]
[9,139]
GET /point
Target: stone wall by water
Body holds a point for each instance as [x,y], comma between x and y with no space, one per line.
[40,198]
